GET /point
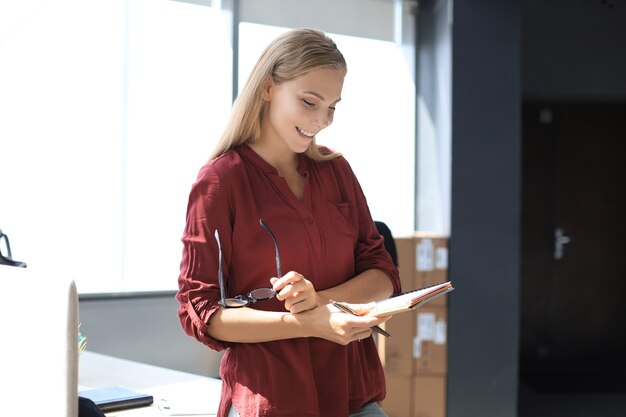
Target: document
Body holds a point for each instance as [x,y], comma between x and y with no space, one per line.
[409,301]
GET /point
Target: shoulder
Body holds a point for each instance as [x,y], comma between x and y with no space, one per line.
[222,167]
[220,172]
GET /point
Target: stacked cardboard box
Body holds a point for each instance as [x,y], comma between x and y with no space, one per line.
[415,358]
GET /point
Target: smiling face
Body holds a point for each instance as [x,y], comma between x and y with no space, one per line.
[298,109]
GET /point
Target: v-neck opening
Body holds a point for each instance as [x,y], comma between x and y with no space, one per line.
[280,182]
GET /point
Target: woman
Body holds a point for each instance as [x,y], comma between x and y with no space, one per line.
[292,354]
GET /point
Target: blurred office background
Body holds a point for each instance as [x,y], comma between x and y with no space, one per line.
[499,124]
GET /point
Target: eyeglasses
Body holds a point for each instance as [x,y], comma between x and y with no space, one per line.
[260,294]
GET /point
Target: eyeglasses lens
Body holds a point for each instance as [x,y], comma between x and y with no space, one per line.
[261,294]
[235,302]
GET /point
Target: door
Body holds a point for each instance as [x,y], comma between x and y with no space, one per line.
[573,318]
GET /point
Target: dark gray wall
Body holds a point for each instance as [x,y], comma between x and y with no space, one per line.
[574,50]
[485,217]
[505,52]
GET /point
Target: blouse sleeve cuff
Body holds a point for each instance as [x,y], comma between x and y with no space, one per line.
[199,325]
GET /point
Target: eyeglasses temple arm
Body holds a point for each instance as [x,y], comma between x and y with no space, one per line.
[278,271]
[220,273]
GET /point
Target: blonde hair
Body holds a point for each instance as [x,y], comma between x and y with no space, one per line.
[291,55]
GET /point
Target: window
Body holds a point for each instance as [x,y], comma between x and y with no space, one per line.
[108,111]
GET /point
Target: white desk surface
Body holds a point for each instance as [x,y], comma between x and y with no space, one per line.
[175,393]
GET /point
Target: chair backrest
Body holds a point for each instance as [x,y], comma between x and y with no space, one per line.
[390,244]
[39,359]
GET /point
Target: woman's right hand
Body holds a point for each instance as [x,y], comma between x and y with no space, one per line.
[296,291]
[328,322]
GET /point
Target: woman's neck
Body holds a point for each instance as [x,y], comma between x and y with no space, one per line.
[284,161]
[286,164]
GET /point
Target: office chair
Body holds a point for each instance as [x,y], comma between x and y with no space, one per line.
[390,244]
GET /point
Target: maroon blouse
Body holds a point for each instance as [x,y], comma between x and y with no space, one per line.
[328,236]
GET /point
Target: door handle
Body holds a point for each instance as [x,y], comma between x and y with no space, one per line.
[559,241]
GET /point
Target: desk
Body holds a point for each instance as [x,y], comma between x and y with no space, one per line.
[175,393]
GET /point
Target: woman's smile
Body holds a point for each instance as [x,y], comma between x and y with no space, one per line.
[306,133]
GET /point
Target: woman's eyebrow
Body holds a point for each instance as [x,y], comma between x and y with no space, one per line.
[319,96]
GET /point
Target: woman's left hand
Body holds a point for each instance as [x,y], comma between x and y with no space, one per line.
[296,291]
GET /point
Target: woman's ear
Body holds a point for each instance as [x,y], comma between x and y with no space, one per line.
[268,89]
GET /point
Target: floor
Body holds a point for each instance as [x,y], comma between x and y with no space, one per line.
[556,401]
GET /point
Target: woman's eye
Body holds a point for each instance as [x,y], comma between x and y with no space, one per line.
[308,103]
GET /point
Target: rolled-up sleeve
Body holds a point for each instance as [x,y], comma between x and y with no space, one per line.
[198,289]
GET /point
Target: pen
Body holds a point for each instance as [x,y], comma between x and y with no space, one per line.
[348,310]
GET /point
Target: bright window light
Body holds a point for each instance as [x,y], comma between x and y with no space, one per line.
[108,111]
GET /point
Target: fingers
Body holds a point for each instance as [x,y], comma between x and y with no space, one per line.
[300,305]
[359,309]
[367,325]
[362,309]
[297,292]
[288,284]
[355,336]
[356,328]
[301,299]
[326,322]
[291,290]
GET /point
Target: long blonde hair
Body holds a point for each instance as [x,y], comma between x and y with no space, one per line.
[292,54]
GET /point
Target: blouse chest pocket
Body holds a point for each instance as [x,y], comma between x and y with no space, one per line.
[341,217]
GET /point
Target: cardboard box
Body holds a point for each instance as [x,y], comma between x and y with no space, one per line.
[423,261]
[405,249]
[417,396]
[430,347]
[419,339]
[418,345]
[429,396]
[396,353]
[431,262]
[399,399]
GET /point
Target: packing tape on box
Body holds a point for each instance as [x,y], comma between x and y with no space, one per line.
[441,258]
[424,259]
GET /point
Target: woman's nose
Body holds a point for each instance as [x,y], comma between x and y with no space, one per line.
[323,119]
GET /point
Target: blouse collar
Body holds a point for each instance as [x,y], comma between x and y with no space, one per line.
[262,164]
